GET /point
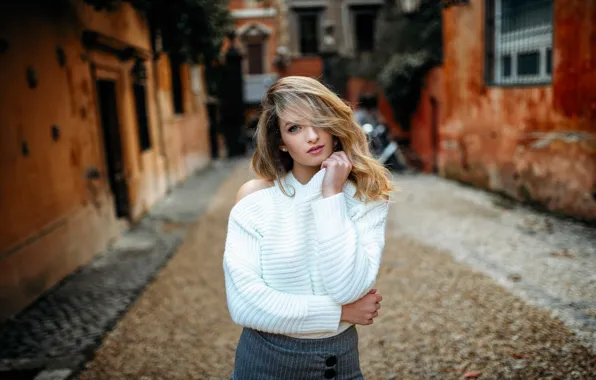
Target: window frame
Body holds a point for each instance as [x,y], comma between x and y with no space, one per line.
[511,44]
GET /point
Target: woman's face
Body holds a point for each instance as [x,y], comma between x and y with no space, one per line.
[307,145]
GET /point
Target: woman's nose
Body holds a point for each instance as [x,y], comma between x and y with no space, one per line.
[312,134]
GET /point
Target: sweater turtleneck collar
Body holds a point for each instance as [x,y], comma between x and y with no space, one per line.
[308,190]
[311,189]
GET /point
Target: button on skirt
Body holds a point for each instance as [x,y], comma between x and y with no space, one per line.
[265,356]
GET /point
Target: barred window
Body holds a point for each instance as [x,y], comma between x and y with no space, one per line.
[519,40]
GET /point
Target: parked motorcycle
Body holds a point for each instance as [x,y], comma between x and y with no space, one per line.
[385,150]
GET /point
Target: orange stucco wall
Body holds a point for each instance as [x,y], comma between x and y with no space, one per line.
[498,137]
[186,136]
[305,66]
[425,123]
[54,218]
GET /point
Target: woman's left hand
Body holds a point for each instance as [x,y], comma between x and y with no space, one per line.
[338,167]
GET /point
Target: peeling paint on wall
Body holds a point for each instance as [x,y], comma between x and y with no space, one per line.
[537,144]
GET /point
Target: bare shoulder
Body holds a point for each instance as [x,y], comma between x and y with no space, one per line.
[253,186]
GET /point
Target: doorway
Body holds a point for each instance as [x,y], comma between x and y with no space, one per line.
[108,112]
[255,58]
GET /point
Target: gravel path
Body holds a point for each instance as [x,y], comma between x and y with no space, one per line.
[440,318]
[545,260]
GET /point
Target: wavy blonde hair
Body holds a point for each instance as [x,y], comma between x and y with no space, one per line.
[328,111]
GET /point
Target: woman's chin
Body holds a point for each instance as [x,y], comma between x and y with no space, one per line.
[311,162]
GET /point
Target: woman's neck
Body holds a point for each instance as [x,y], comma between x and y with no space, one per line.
[304,174]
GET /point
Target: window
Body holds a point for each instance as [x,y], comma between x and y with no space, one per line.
[177,98]
[519,39]
[255,58]
[140,94]
[364,29]
[308,31]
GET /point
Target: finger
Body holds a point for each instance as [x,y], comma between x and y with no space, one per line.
[331,161]
[372,291]
[340,157]
[375,314]
[326,163]
[344,157]
[378,305]
[334,158]
[378,297]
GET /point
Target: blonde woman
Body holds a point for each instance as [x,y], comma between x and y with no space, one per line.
[305,240]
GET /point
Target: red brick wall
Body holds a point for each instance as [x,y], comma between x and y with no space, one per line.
[502,138]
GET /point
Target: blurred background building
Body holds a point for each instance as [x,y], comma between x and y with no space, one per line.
[103,111]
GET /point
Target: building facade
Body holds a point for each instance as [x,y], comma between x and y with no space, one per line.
[95,128]
[258,34]
[513,107]
[353,26]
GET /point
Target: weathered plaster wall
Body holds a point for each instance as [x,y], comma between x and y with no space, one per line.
[425,123]
[54,218]
[534,143]
[185,136]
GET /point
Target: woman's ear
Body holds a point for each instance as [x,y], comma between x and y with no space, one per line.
[336,145]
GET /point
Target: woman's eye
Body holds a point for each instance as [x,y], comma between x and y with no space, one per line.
[293,128]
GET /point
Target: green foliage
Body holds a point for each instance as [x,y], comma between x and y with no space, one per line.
[410,45]
[191,30]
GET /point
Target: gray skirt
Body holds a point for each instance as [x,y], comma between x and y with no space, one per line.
[265,356]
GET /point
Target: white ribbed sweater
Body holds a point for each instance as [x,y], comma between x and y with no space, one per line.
[291,262]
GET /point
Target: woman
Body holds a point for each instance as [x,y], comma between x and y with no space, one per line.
[304,242]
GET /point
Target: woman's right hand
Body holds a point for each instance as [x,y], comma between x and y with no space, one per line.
[362,311]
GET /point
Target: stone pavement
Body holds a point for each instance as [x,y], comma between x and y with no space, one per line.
[54,336]
[441,319]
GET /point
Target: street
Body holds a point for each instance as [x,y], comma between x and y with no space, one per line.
[452,276]
[126,133]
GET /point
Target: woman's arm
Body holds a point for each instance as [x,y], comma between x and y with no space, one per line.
[350,249]
[253,304]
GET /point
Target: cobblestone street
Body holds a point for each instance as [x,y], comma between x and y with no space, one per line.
[447,312]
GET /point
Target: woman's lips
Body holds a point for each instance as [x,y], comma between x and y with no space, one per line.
[317,149]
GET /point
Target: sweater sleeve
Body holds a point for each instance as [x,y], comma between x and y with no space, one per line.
[254,304]
[350,248]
